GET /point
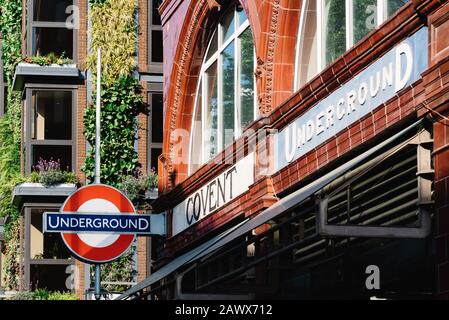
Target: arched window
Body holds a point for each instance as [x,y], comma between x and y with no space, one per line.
[330,27]
[225,101]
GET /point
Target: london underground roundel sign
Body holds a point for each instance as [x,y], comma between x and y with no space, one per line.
[98,247]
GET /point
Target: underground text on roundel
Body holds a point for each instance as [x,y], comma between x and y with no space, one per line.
[94,222]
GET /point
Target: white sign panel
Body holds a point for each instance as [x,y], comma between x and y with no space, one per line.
[214,195]
[379,82]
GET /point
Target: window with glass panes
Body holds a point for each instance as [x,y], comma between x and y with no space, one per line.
[155,128]
[330,27]
[51,27]
[47,261]
[50,126]
[225,101]
[155,44]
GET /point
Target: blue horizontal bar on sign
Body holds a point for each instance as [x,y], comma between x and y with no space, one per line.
[86,222]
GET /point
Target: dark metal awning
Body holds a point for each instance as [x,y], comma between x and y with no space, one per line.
[285,204]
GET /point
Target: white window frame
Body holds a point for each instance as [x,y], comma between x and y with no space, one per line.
[202,81]
[382,16]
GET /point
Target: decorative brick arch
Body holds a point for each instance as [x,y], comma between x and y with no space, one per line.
[182,88]
[273,43]
[276,61]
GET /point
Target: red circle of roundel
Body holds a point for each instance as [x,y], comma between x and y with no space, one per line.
[78,246]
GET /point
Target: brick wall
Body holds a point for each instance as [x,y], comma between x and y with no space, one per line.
[441,230]
[142,258]
[142,143]
[436,82]
[142,59]
[81,102]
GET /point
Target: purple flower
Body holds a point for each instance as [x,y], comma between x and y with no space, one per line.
[47,165]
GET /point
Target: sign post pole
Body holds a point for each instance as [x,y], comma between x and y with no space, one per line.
[98,121]
[97,282]
[97,159]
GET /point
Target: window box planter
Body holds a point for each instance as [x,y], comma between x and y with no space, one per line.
[152,193]
[37,192]
[54,73]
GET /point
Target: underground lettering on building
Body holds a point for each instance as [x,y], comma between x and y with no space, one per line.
[376,84]
[217,192]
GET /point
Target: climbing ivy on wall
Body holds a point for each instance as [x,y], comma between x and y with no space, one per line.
[121,104]
[10,136]
[114,31]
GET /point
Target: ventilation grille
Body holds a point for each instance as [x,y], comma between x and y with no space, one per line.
[386,196]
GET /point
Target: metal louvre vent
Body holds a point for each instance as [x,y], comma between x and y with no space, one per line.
[388,196]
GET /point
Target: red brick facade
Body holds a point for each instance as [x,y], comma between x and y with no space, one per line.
[436,84]
[80,105]
[274,25]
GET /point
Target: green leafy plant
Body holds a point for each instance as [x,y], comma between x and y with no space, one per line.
[122,102]
[49,59]
[135,186]
[70,177]
[131,187]
[114,31]
[57,295]
[41,294]
[97,2]
[11,29]
[119,270]
[34,177]
[10,138]
[44,294]
[26,295]
[150,181]
[11,251]
[51,178]
[49,173]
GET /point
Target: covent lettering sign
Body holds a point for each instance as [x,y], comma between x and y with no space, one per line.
[379,82]
[214,195]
